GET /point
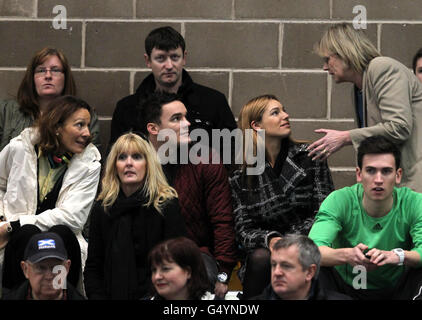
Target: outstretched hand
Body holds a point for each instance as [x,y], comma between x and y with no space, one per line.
[333,141]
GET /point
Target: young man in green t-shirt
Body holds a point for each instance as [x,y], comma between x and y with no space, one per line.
[371,232]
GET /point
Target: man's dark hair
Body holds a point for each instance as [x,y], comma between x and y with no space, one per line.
[416,57]
[164,38]
[150,109]
[378,145]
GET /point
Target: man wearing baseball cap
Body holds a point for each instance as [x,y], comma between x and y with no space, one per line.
[45,267]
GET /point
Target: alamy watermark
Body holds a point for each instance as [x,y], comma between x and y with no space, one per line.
[59,281]
[360,280]
[60,21]
[181,153]
[359,22]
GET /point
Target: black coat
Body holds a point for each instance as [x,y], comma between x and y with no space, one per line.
[148,228]
[316,293]
[21,292]
[207,108]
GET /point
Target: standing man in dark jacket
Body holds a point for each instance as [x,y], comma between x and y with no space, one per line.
[203,187]
[166,56]
[295,261]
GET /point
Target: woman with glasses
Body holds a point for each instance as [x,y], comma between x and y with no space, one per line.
[135,210]
[49,176]
[47,76]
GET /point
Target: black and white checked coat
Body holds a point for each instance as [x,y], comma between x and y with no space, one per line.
[275,205]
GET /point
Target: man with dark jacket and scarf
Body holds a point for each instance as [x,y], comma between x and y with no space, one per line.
[295,263]
[202,186]
[166,56]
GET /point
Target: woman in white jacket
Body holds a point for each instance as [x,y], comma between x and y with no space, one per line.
[48,181]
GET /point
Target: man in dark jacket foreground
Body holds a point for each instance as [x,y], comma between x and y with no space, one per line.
[295,263]
[45,267]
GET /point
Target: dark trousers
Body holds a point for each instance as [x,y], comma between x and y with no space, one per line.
[407,286]
[13,255]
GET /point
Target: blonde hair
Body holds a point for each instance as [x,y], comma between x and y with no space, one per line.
[155,184]
[253,110]
[351,45]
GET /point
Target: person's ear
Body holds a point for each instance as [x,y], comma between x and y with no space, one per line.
[399,175]
[358,174]
[184,57]
[310,273]
[67,264]
[189,272]
[255,125]
[147,60]
[153,128]
[25,270]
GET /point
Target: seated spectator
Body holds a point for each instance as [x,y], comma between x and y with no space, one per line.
[48,177]
[47,76]
[417,64]
[371,232]
[203,188]
[135,210]
[282,199]
[45,266]
[178,271]
[295,263]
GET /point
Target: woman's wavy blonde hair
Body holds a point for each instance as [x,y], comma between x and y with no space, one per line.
[351,45]
[155,185]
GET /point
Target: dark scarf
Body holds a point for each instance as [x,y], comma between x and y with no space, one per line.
[122,277]
[252,181]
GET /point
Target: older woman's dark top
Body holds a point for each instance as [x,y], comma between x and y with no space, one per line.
[119,242]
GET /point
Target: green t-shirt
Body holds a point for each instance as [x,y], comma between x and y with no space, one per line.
[342,222]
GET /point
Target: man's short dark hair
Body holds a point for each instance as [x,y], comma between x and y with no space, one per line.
[309,253]
[164,38]
[378,145]
[150,109]
[416,57]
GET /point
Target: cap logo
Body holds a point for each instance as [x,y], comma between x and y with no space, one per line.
[46,244]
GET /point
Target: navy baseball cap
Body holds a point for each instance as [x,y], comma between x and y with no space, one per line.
[45,245]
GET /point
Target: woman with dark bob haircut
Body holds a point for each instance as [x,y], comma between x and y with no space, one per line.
[48,181]
[48,76]
[178,271]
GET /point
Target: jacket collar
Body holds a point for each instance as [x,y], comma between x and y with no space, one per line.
[148,84]
[89,157]
[292,171]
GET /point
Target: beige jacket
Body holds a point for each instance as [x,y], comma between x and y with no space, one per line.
[392,100]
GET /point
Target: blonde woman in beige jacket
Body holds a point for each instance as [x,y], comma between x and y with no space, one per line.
[388,99]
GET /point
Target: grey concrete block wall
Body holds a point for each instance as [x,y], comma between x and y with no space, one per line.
[242,48]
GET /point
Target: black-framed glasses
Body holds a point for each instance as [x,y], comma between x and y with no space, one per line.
[43,71]
[44,269]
